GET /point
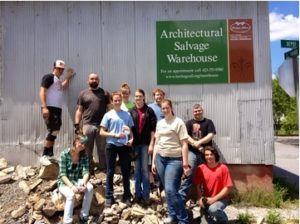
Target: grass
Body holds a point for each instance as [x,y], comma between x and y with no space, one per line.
[245,218]
[273,217]
[284,195]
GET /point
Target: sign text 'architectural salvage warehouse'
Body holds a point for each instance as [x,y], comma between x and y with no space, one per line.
[207,51]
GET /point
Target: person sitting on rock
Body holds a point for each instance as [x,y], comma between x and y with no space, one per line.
[73,178]
[213,184]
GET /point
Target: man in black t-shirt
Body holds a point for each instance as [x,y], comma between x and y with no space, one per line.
[51,97]
[91,106]
[201,132]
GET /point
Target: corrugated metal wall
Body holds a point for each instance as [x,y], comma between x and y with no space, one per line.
[117,40]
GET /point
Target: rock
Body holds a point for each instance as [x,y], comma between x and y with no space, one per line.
[39,205]
[49,209]
[8,170]
[35,184]
[19,212]
[4,179]
[49,172]
[23,185]
[37,215]
[99,193]
[50,186]
[3,163]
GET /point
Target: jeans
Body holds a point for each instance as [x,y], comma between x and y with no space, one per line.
[141,172]
[215,212]
[112,151]
[195,160]
[92,132]
[70,200]
[170,170]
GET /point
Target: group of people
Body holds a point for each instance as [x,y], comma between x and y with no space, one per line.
[180,153]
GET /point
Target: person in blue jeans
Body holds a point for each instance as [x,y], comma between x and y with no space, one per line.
[143,134]
[116,128]
[201,133]
[170,161]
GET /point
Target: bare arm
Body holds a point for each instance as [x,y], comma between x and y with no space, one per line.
[151,145]
[153,168]
[204,140]
[78,114]
[185,158]
[69,76]
[223,193]
[43,94]
[68,183]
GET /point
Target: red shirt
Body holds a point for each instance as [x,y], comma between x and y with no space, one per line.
[213,179]
[141,117]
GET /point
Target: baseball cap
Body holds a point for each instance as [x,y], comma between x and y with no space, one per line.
[59,64]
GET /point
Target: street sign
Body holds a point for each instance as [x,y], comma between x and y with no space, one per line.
[290,43]
[292,53]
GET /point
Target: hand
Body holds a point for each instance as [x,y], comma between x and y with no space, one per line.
[130,141]
[187,171]
[197,144]
[153,169]
[45,112]
[70,73]
[74,189]
[120,135]
[82,187]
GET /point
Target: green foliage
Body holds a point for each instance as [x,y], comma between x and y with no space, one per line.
[273,217]
[245,218]
[284,111]
[291,192]
[260,198]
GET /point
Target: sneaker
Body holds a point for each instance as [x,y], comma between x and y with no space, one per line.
[83,220]
[146,202]
[109,203]
[137,200]
[45,160]
[127,202]
[169,220]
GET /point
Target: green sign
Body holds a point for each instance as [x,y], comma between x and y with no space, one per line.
[191,52]
[292,53]
[290,43]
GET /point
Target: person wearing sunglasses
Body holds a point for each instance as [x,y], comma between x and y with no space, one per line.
[73,179]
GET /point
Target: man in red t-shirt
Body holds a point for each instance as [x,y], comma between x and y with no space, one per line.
[213,184]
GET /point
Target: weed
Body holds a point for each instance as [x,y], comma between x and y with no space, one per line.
[283,195]
[245,218]
[273,217]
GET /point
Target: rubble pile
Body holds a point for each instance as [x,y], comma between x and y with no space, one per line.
[30,195]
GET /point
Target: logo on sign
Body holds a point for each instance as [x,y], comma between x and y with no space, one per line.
[240,27]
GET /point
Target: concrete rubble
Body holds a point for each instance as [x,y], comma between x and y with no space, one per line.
[39,200]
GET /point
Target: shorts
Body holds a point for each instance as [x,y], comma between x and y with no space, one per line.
[53,122]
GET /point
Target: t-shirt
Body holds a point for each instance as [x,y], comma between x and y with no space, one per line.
[54,96]
[200,129]
[157,110]
[141,117]
[168,136]
[213,179]
[127,106]
[94,103]
[115,121]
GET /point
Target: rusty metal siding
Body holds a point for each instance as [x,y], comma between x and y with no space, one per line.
[118,41]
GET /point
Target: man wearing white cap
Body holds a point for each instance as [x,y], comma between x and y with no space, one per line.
[51,92]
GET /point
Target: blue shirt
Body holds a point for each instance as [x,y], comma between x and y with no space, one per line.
[114,122]
[157,110]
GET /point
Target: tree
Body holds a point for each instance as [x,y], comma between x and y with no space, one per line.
[284,109]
